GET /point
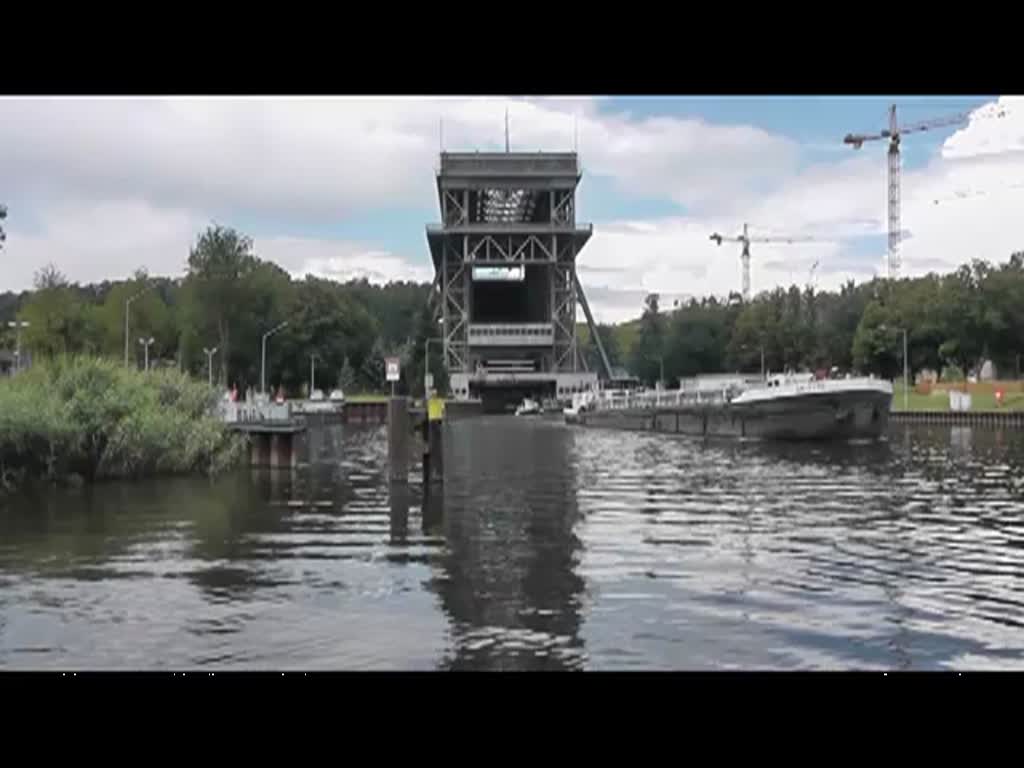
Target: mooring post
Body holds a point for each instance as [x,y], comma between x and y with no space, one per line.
[432,509]
[398,439]
[398,504]
[259,449]
[435,439]
[425,436]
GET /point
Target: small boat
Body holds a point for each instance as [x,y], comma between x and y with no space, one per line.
[529,407]
[581,403]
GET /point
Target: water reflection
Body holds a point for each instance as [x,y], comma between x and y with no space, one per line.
[509,582]
[546,547]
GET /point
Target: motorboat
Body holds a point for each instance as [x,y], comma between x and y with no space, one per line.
[529,407]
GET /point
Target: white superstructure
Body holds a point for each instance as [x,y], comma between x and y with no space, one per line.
[783,386]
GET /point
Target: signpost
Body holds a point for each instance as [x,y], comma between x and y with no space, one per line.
[391,367]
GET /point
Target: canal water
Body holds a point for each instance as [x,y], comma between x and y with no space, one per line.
[549,547]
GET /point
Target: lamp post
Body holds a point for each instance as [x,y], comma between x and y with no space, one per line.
[127,307]
[426,366]
[906,362]
[906,374]
[145,345]
[17,324]
[209,363]
[263,356]
[761,347]
[312,373]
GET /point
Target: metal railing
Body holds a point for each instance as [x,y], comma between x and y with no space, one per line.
[502,164]
[658,399]
[253,412]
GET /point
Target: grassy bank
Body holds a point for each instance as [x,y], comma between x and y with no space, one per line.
[983,397]
[93,418]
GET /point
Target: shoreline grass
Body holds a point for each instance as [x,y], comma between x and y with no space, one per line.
[91,418]
[982,399]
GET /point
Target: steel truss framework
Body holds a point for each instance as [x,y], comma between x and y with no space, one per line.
[452,288]
[489,222]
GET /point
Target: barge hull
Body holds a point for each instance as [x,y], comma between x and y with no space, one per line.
[817,416]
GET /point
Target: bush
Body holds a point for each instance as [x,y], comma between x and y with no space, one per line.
[95,418]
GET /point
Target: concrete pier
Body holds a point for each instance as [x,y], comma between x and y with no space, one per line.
[272,444]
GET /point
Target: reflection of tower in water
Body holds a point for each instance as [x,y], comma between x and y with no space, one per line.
[509,583]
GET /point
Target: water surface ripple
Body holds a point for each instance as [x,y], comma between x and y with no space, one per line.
[549,547]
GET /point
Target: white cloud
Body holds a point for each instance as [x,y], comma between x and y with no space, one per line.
[103,186]
[337,260]
[108,239]
[834,202]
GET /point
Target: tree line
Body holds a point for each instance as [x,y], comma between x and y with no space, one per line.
[953,322]
[229,297]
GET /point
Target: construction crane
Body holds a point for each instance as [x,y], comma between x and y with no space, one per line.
[894,133]
[745,239]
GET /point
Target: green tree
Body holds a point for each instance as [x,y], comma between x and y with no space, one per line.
[371,372]
[325,321]
[697,339]
[59,322]
[219,266]
[347,377]
[149,316]
[648,350]
[963,318]
[876,345]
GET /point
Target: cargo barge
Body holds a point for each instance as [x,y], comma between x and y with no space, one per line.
[784,407]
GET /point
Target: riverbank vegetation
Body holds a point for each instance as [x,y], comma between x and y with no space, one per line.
[229,297]
[953,322]
[91,418]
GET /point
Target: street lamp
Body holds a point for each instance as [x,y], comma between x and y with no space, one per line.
[263,356]
[906,375]
[906,363]
[761,346]
[127,307]
[145,345]
[209,363]
[18,324]
[426,367]
[312,373]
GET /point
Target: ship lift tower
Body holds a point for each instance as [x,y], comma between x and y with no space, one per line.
[746,239]
[894,133]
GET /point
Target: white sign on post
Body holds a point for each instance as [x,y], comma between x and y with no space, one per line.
[392,368]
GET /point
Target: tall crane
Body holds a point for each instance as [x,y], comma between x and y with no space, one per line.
[894,133]
[745,239]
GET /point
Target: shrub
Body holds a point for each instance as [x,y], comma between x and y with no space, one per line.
[93,417]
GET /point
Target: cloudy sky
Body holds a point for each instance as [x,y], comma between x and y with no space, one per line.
[342,187]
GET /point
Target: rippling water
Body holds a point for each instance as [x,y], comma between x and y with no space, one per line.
[549,547]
